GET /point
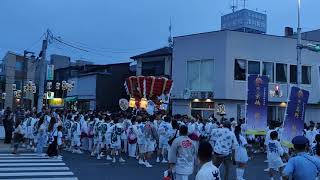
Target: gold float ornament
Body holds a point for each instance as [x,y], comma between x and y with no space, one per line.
[132,102]
[143,103]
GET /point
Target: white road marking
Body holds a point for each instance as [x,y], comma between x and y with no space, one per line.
[34,169]
[16,174]
[30,160]
[24,157]
[62,178]
[31,164]
[22,154]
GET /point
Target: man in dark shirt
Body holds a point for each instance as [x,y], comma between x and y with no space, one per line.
[8,125]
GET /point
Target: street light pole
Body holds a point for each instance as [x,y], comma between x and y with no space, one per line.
[299,49]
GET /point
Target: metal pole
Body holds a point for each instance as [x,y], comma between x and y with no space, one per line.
[42,72]
[299,49]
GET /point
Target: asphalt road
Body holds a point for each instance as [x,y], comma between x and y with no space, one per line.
[85,167]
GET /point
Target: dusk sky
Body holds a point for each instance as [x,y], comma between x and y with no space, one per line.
[114,30]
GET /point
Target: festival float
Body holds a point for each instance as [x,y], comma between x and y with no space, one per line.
[148,92]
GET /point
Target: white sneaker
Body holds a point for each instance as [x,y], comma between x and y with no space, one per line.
[141,162]
[102,155]
[122,160]
[164,161]
[158,160]
[98,157]
[114,160]
[79,151]
[137,157]
[92,154]
[109,158]
[148,165]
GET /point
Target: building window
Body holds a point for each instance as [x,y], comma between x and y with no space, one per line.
[153,68]
[281,73]
[293,74]
[200,75]
[253,67]
[240,67]
[268,70]
[306,74]
[276,113]
[19,66]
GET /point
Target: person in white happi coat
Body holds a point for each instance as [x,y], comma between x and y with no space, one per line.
[182,155]
[207,171]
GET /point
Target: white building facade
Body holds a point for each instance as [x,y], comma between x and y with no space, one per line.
[218,63]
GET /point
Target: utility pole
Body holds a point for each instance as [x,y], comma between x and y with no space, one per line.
[42,63]
[299,49]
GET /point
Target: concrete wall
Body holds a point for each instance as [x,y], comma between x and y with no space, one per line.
[10,62]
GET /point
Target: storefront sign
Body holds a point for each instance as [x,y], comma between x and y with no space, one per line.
[257,104]
[294,121]
[50,72]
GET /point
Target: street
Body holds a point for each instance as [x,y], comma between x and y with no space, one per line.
[83,167]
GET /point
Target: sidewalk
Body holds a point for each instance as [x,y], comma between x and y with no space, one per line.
[7,148]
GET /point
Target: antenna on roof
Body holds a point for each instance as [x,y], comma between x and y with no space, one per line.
[234,5]
[244,4]
[170,40]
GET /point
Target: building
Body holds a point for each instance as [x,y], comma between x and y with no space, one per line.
[60,61]
[154,63]
[96,87]
[18,70]
[245,20]
[218,63]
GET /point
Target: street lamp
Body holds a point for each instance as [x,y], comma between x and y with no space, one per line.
[299,48]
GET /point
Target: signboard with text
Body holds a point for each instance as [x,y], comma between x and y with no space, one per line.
[257,104]
[294,120]
[50,72]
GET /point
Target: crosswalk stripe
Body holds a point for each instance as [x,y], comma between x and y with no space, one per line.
[24,157]
[31,164]
[22,154]
[62,178]
[30,160]
[35,174]
[34,169]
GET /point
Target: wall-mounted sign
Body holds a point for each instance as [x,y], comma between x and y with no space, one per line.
[50,72]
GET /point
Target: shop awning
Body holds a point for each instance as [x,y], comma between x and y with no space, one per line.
[70,99]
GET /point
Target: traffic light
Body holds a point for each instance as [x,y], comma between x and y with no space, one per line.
[313,47]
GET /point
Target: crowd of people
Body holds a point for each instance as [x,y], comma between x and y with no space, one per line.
[184,143]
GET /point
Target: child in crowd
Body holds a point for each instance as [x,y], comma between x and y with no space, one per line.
[116,131]
[241,155]
[97,139]
[59,141]
[164,135]
[275,152]
[76,133]
[132,138]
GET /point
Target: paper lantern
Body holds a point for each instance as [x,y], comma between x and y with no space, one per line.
[143,103]
[132,103]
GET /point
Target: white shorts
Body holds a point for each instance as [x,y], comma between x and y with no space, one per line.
[151,146]
[163,145]
[142,148]
[275,163]
[76,141]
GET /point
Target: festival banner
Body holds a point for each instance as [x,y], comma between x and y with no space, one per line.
[293,124]
[257,104]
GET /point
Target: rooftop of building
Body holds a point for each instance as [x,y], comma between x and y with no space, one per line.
[164,51]
[253,34]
